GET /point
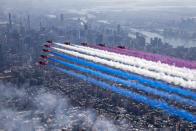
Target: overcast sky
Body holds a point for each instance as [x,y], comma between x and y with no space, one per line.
[60,3]
[96,4]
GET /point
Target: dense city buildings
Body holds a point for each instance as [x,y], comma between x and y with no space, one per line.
[21,41]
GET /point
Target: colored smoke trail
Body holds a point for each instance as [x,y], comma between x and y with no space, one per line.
[154,103]
[137,62]
[130,84]
[157,57]
[135,55]
[175,81]
[155,66]
[177,69]
[144,72]
[141,79]
[144,57]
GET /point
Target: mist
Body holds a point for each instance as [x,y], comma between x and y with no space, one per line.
[34,108]
[164,27]
[98,5]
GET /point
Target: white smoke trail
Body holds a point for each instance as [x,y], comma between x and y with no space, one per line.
[154,66]
[144,72]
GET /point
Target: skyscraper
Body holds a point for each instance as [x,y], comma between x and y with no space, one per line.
[118,29]
[62,17]
[10,22]
[28,23]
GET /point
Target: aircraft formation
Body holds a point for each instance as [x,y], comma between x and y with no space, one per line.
[162,76]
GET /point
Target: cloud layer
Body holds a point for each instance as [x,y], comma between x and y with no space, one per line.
[34,108]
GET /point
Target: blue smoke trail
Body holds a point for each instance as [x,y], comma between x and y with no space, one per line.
[128,83]
[154,103]
[154,83]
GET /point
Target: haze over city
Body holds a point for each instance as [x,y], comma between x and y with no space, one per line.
[83,65]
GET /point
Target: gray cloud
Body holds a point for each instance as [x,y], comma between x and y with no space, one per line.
[100,4]
[34,108]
